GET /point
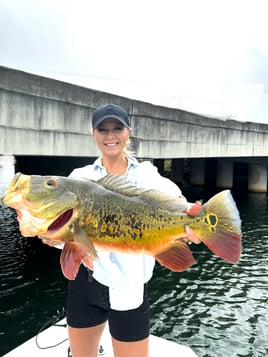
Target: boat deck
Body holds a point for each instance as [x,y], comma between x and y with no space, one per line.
[53,342]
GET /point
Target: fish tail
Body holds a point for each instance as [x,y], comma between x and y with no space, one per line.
[221,216]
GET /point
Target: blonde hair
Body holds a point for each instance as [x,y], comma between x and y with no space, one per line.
[127,151]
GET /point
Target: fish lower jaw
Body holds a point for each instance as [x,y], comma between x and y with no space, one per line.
[27,233]
[32,228]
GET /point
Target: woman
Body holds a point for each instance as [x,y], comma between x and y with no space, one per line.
[115,289]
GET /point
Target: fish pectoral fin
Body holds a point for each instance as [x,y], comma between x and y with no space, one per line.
[81,237]
[70,259]
[88,262]
[81,250]
[177,258]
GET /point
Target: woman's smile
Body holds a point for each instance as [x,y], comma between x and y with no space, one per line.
[111,144]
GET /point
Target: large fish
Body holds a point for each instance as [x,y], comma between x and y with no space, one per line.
[113,215]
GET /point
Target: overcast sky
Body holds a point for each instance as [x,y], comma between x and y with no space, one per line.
[206,56]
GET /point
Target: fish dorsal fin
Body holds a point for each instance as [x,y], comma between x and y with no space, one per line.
[122,185]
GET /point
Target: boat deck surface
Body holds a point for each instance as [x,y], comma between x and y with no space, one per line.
[53,342]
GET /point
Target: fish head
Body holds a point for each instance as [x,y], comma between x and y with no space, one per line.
[45,205]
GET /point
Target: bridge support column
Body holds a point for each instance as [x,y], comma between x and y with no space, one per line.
[197,172]
[224,173]
[7,169]
[6,174]
[177,170]
[257,178]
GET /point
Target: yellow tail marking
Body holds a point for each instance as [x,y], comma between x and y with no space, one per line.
[211,220]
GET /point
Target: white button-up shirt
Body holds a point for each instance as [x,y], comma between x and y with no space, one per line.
[126,274]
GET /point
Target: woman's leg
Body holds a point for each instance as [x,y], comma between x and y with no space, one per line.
[87,313]
[84,342]
[131,349]
[130,330]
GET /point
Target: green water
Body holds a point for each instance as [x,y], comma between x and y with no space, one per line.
[216,308]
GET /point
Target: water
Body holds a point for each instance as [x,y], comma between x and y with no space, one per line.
[216,308]
[32,287]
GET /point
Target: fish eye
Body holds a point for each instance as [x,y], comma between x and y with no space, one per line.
[51,182]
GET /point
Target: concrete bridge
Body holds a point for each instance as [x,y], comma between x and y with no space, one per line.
[41,117]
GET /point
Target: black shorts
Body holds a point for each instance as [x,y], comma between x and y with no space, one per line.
[88,305]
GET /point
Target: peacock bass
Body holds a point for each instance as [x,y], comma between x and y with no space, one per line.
[113,215]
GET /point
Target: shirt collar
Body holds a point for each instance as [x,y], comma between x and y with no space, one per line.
[132,162]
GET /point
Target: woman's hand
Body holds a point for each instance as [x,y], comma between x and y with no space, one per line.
[191,237]
[193,211]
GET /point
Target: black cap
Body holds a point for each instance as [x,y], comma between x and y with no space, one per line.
[110,111]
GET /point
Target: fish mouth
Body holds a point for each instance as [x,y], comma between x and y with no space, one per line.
[61,220]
